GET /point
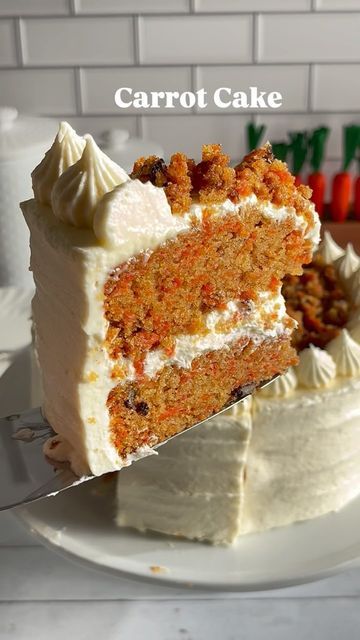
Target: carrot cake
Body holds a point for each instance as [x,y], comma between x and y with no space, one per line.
[289,453]
[158,295]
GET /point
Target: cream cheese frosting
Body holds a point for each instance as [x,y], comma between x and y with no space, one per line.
[80,188]
[65,151]
[345,353]
[329,249]
[316,368]
[281,386]
[347,264]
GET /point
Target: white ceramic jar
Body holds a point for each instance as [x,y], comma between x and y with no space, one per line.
[23,142]
[123,150]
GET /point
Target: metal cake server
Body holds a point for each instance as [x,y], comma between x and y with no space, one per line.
[27,475]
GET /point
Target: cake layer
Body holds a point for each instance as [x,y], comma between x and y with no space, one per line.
[238,251]
[148,411]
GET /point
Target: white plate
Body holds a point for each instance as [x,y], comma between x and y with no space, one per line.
[79,524]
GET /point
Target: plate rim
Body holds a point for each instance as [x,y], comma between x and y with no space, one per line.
[165,579]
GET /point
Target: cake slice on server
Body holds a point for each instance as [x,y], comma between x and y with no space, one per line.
[158,295]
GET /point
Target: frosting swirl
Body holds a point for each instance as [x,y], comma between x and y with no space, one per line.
[281,386]
[115,224]
[78,190]
[316,368]
[64,152]
[345,353]
[329,249]
[347,264]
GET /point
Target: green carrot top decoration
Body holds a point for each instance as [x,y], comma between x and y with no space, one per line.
[351,140]
[317,143]
[280,150]
[254,134]
[299,148]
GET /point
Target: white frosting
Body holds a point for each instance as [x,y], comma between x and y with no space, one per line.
[347,264]
[329,250]
[171,498]
[300,461]
[138,215]
[345,353]
[65,151]
[304,456]
[316,368]
[80,188]
[281,386]
[254,326]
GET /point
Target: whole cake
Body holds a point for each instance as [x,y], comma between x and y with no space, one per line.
[158,295]
[291,452]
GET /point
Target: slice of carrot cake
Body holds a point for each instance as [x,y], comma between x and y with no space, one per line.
[158,295]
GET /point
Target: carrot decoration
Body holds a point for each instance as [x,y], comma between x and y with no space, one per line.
[254,134]
[341,186]
[316,178]
[280,150]
[357,199]
[299,148]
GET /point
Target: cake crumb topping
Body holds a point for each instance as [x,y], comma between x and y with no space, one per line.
[213,180]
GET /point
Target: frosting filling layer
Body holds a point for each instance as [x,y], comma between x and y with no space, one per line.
[265,319]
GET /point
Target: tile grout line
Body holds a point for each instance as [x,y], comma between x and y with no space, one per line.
[177,14]
[19,37]
[166,65]
[73,7]
[255,28]
[78,91]
[136,36]
[310,89]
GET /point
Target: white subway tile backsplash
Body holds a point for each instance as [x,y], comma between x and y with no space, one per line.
[195,39]
[7,43]
[99,86]
[214,6]
[78,41]
[189,133]
[132,6]
[97,125]
[38,91]
[290,81]
[336,87]
[311,37]
[33,7]
[277,127]
[337,5]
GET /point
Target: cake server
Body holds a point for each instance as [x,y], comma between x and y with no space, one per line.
[27,475]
